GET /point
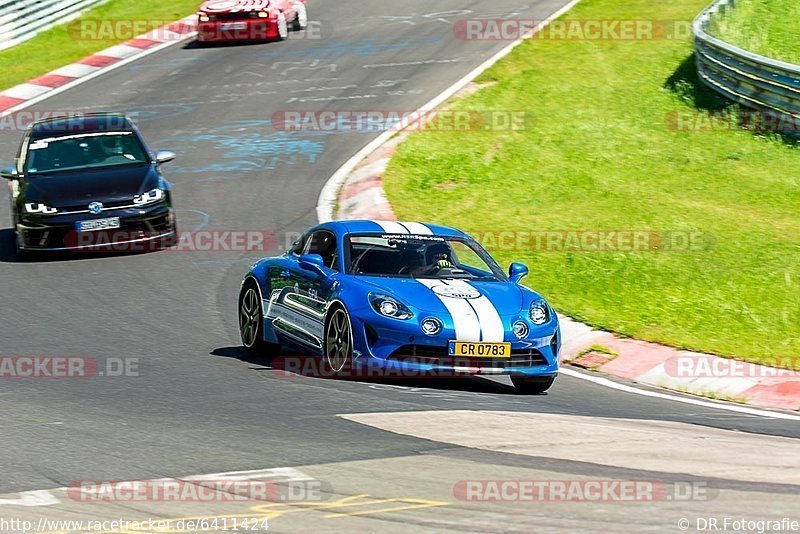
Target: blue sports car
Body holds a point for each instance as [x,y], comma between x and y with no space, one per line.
[413,297]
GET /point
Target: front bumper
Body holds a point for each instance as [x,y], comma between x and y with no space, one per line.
[237,30]
[401,346]
[140,230]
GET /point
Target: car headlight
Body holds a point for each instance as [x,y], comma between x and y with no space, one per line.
[263,14]
[539,312]
[148,198]
[204,18]
[390,307]
[33,207]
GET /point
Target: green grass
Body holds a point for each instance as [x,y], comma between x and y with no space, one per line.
[58,46]
[600,157]
[766,27]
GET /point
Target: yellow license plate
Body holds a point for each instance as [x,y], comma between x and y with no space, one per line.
[473,349]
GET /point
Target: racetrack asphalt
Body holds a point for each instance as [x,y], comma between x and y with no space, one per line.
[198,405]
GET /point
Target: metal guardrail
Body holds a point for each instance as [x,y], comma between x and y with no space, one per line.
[22,19]
[750,79]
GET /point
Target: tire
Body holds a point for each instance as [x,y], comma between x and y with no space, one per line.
[300,21]
[251,323]
[283,28]
[337,351]
[22,254]
[532,385]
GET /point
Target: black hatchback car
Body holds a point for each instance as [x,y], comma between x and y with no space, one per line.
[89,182]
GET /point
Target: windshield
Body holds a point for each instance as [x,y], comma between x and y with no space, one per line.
[418,256]
[81,151]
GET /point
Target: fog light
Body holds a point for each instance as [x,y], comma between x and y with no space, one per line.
[431,326]
[520,329]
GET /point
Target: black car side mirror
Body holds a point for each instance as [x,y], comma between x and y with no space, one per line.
[9,173]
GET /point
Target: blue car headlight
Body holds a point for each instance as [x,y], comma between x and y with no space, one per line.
[539,312]
[390,307]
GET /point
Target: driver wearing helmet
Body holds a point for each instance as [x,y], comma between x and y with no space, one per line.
[437,257]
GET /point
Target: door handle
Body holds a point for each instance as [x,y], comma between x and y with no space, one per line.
[285,274]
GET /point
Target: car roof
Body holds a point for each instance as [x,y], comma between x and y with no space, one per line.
[83,123]
[392,227]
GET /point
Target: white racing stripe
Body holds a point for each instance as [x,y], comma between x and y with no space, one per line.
[492,329]
[465,321]
[392,227]
[417,228]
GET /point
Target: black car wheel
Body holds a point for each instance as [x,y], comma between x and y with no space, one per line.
[532,385]
[251,323]
[338,340]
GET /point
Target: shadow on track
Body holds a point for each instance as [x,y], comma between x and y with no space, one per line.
[8,252]
[293,365]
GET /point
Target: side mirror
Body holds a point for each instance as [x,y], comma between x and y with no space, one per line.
[312,262]
[517,272]
[9,173]
[163,156]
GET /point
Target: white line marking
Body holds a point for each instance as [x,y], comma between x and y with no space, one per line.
[26,91]
[76,70]
[31,498]
[665,396]
[328,196]
[120,51]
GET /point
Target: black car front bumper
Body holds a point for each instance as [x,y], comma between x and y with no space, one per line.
[140,229]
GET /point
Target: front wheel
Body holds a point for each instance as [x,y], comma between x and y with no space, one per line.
[532,385]
[338,350]
[283,27]
[251,323]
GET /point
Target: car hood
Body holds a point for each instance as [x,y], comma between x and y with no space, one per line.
[431,295]
[69,189]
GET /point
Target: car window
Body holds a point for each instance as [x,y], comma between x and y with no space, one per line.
[299,245]
[65,152]
[323,242]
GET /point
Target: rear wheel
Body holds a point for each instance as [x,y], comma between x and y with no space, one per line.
[532,385]
[251,323]
[301,18]
[338,350]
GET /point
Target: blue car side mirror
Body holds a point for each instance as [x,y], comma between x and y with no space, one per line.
[312,262]
[517,272]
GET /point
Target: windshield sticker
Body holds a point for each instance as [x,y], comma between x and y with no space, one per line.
[405,238]
[75,136]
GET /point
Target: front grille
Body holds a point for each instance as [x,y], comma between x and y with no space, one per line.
[432,355]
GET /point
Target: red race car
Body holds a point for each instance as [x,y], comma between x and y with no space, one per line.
[250,20]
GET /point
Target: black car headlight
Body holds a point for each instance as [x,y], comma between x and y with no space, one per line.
[390,307]
[44,209]
[539,312]
[150,197]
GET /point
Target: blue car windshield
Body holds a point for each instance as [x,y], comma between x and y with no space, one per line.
[420,256]
[81,151]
